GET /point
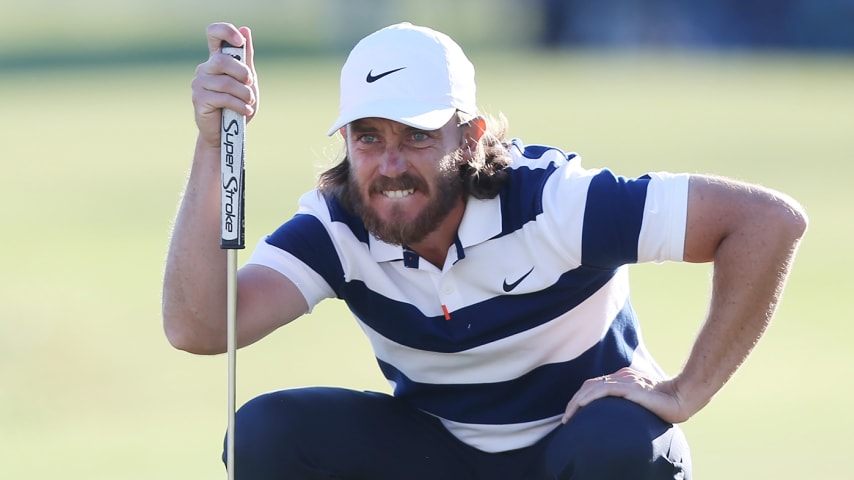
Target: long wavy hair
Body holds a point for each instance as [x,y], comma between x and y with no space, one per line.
[483,176]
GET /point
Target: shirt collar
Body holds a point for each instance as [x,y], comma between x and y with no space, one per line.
[481,221]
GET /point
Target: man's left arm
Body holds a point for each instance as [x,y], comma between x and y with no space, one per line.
[751,235]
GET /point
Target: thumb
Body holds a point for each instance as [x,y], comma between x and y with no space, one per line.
[250,48]
[219,32]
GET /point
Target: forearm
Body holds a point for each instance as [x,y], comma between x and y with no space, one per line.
[751,265]
[194,285]
[751,234]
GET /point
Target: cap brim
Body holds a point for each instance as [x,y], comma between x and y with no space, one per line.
[408,114]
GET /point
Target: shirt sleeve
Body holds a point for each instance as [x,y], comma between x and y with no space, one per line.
[302,250]
[609,220]
[311,284]
[665,216]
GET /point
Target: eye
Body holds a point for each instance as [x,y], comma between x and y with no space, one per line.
[368,138]
[420,136]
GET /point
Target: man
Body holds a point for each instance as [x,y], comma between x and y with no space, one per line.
[489,276]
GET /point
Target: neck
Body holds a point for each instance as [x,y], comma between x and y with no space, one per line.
[434,247]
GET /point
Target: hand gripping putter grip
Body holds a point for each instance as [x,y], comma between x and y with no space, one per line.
[232,166]
[232,136]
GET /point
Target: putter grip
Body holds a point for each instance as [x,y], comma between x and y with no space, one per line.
[232,153]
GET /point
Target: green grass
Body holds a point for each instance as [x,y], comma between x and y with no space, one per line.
[95,161]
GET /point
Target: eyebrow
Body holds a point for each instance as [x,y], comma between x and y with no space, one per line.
[362,126]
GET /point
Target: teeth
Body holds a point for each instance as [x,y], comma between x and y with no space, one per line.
[398,193]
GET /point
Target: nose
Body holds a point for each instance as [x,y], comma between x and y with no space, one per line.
[392,162]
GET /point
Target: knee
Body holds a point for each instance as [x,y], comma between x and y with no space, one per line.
[266,417]
[595,442]
[267,429]
[612,438]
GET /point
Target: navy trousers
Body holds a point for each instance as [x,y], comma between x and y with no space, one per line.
[333,433]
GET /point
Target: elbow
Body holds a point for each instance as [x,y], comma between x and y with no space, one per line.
[792,219]
[182,335]
[178,338]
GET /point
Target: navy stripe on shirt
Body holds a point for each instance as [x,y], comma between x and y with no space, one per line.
[498,317]
[338,213]
[541,393]
[305,238]
[612,220]
[522,197]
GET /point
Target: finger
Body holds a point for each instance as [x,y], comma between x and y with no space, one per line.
[222,64]
[209,101]
[620,384]
[213,92]
[253,74]
[213,75]
[584,395]
[250,47]
[219,32]
[233,82]
[571,408]
[223,74]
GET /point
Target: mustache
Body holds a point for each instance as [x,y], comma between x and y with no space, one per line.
[404,181]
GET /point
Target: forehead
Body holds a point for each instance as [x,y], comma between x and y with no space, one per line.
[374,124]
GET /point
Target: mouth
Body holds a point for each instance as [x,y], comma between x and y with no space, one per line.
[398,193]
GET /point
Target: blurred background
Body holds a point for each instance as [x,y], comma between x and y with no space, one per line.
[98,134]
[101,31]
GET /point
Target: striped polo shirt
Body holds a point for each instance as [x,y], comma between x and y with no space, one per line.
[532,300]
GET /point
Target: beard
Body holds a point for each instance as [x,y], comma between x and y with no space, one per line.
[398,230]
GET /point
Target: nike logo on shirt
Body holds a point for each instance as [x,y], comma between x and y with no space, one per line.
[371,78]
[508,287]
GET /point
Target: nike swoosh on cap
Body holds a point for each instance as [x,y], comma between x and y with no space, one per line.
[371,78]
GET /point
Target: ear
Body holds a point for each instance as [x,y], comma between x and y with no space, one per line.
[472,133]
[343,131]
[475,129]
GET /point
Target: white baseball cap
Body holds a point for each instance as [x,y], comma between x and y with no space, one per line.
[406,73]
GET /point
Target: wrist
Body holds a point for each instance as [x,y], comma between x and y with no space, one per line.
[208,142]
[692,396]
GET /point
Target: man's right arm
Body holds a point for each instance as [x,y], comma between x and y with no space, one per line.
[194,285]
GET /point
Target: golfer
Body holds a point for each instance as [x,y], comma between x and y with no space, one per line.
[489,275]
